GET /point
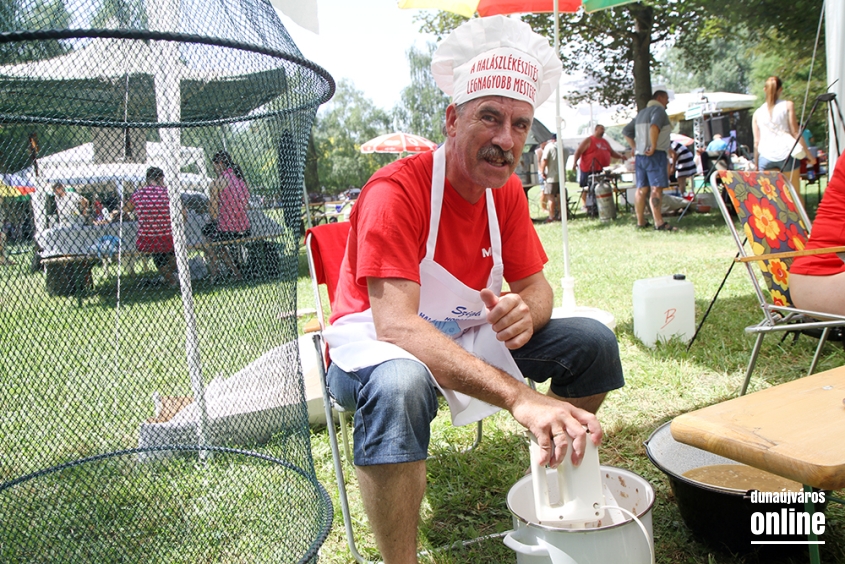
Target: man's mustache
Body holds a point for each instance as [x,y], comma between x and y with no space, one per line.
[492,152]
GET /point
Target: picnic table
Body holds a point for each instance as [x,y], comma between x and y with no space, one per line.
[70,252]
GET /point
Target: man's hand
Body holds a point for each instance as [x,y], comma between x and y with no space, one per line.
[649,151]
[510,317]
[556,424]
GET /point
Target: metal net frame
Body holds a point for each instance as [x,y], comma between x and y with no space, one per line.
[152,404]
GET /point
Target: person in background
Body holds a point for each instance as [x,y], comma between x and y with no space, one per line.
[592,156]
[817,282]
[538,155]
[418,306]
[155,236]
[228,207]
[551,187]
[648,136]
[717,144]
[102,215]
[808,137]
[681,164]
[70,206]
[775,131]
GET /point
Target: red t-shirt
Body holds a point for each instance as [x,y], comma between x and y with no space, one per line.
[597,155]
[828,229]
[153,210]
[389,228]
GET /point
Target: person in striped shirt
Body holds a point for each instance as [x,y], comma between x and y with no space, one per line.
[682,163]
[155,237]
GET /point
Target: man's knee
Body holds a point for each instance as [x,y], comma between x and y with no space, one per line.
[597,340]
[403,387]
[401,377]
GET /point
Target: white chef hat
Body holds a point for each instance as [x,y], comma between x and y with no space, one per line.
[496,56]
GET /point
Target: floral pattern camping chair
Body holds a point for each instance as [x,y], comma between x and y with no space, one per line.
[776,228]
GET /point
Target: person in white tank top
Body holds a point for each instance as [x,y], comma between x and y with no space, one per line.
[775,132]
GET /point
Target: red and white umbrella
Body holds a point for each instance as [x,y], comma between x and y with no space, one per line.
[398,142]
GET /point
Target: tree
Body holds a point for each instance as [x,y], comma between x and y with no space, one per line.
[613,48]
[785,58]
[730,70]
[342,126]
[16,15]
[123,14]
[423,106]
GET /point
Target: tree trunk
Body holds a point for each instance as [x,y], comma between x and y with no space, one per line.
[641,52]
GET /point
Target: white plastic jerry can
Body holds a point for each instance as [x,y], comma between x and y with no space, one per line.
[664,308]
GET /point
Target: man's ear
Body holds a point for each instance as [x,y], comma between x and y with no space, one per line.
[451,120]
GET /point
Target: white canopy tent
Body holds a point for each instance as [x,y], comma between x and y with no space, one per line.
[710,102]
[835,51]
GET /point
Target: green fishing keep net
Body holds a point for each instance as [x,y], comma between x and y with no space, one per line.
[152,400]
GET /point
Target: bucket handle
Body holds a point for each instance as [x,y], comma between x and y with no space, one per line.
[521,548]
[639,523]
[544,548]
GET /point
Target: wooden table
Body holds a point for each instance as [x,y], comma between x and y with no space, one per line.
[794,430]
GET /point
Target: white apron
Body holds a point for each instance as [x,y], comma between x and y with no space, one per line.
[451,306]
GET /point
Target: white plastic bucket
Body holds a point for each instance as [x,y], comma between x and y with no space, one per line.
[596,544]
[664,307]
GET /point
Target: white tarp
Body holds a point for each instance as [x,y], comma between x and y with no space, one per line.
[302,12]
[84,155]
[248,405]
[711,102]
[77,166]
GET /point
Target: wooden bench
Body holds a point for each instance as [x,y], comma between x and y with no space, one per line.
[70,275]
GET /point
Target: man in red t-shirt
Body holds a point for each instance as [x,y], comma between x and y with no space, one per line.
[419,305]
[593,154]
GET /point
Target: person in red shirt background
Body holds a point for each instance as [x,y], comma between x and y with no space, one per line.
[151,205]
[593,154]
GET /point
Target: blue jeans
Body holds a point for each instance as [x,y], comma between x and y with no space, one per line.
[395,402]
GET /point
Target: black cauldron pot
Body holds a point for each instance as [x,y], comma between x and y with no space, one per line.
[719,516]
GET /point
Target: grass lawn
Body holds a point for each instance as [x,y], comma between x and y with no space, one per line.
[466,496]
[76,380]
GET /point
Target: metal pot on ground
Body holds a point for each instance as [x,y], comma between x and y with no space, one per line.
[721,517]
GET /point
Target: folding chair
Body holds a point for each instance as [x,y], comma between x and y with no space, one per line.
[325,246]
[777,227]
[711,161]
